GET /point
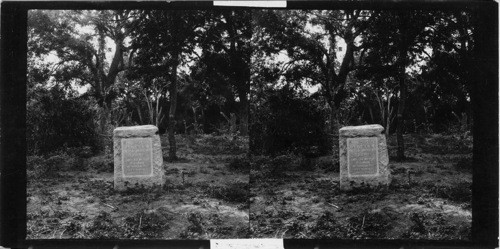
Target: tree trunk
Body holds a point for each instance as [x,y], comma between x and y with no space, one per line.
[103,127]
[232,123]
[402,87]
[400,128]
[139,114]
[388,118]
[335,126]
[244,115]
[240,74]
[172,152]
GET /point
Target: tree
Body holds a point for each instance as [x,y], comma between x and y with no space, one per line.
[226,55]
[314,52]
[163,41]
[81,56]
[393,41]
[289,121]
[451,60]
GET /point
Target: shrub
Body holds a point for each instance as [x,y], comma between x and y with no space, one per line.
[56,162]
[257,162]
[56,119]
[82,151]
[196,226]
[146,225]
[239,164]
[221,144]
[434,226]
[458,191]
[283,163]
[275,166]
[33,161]
[327,227]
[39,167]
[102,227]
[102,163]
[142,225]
[237,192]
[288,121]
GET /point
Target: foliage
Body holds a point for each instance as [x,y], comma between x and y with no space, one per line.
[458,191]
[240,164]
[101,163]
[146,225]
[210,226]
[195,227]
[313,51]
[198,65]
[276,166]
[55,121]
[139,226]
[237,192]
[225,63]
[38,168]
[433,226]
[445,144]
[52,164]
[213,144]
[287,122]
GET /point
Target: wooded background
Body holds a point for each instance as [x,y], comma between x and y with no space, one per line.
[298,74]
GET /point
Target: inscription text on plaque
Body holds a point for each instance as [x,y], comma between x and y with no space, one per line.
[362,156]
[137,156]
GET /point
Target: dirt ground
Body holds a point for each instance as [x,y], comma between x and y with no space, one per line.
[429,198]
[204,196]
[209,193]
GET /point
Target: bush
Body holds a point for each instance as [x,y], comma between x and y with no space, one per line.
[458,191]
[56,119]
[221,144]
[41,167]
[142,225]
[328,164]
[102,163]
[287,121]
[327,227]
[434,226]
[48,166]
[37,167]
[239,164]
[102,227]
[257,162]
[146,225]
[275,166]
[237,192]
[283,163]
[32,162]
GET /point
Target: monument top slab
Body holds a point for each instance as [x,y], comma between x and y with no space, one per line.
[135,131]
[361,131]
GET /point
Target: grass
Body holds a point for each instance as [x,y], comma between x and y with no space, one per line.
[429,197]
[76,204]
[237,192]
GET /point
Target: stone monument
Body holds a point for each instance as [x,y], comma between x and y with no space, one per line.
[138,158]
[364,160]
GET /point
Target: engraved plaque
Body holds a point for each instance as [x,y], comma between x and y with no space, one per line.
[137,156]
[362,156]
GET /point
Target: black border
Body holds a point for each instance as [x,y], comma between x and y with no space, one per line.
[13,115]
